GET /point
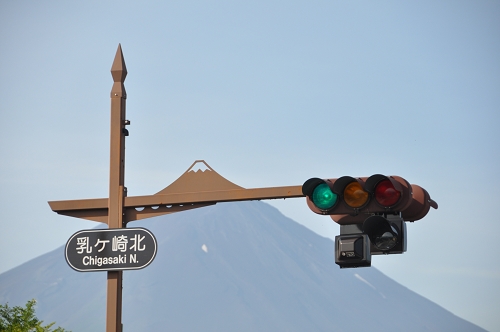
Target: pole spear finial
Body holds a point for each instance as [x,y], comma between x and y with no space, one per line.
[119,72]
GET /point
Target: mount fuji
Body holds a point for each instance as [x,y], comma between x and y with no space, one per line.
[229,267]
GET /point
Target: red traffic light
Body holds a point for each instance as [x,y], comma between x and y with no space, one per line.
[386,194]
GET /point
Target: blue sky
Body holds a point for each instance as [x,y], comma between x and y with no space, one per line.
[269,93]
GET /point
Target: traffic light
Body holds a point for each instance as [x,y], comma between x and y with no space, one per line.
[371,212]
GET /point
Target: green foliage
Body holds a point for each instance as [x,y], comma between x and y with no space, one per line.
[23,319]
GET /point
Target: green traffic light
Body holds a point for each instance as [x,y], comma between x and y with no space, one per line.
[323,197]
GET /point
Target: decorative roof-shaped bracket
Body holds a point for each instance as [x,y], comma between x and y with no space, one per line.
[197,187]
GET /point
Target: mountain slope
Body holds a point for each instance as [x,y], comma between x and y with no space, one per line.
[230,267]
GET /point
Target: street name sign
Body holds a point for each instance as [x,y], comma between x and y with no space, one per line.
[110,249]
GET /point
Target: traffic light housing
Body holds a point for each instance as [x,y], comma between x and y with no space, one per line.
[371,212]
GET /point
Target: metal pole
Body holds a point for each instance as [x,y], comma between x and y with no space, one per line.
[116,186]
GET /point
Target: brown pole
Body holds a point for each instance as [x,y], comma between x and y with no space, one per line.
[116,186]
